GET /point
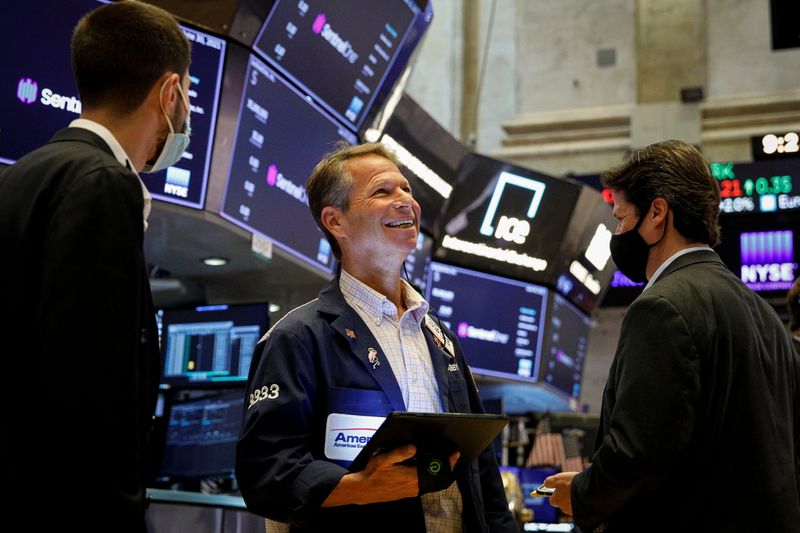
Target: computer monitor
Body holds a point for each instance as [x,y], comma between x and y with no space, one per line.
[566,338]
[201,436]
[280,136]
[210,346]
[499,321]
[40,96]
[347,55]
[763,250]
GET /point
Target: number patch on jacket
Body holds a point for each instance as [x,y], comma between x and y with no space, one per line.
[267,392]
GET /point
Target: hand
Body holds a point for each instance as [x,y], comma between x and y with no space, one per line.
[562,497]
[382,480]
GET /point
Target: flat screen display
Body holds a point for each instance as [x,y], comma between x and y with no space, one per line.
[201,437]
[522,224]
[280,137]
[429,154]
[417,264]
[41,97]
[566,339]
[210,345]
[759,187]
[762,250]
[498,321]
[346,54]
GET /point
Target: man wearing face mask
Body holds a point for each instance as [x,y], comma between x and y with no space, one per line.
[80,354]
[700,418]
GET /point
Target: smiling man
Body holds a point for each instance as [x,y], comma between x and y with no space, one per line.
[331,370]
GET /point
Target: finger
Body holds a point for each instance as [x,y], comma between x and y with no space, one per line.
[399,454]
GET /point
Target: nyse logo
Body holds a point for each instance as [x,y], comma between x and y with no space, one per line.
[27,90]
[767,259]
[510,228]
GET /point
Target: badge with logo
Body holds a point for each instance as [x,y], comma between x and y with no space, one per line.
[439,337]
[345,434]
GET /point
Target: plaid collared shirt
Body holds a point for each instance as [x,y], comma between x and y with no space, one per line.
[403,343]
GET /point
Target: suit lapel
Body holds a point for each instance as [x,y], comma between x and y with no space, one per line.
[367,350]
[440,360]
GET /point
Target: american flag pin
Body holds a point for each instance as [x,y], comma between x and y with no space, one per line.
[350,333]
[372,355]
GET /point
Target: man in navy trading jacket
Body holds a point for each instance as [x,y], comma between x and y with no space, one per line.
[364,348]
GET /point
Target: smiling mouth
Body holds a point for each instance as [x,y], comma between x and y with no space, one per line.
[400,224]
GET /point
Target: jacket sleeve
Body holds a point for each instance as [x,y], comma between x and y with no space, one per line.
[278,474]
[495,505]
[656,385]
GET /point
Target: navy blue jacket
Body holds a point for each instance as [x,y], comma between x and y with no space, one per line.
[308,367]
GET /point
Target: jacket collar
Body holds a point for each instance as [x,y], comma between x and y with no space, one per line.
[700,256]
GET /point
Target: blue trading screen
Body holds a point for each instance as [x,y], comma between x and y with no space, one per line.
[41,97]
[565,341]
[280,137]
[210,345]
[499,322]
[201,437]
[352,55]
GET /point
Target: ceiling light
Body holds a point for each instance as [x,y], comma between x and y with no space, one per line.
[215,261]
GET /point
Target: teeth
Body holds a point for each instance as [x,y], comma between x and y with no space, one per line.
[400,224]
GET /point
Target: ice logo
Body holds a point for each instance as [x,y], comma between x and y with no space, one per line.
[27,90]
[319,23]
[272,175]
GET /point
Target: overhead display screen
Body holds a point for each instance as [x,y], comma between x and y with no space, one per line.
[759,187]
[40,96]
[344,53]
[507,220]
[762,250]
[429,155]
[499,322]
[566,340]
[280,137]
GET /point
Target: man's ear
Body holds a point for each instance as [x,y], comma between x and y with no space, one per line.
[331,218]
[659,209]
[165,99]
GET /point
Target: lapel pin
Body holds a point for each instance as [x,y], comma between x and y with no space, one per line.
[350,333]
[372,355]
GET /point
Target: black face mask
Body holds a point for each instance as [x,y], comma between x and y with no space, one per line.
[630,252]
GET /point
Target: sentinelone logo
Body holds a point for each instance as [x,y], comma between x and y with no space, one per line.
[767,260]
[464,330]
[275,179]
[27,91]
[322,28]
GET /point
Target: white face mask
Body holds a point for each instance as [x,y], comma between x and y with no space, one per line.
[176,143]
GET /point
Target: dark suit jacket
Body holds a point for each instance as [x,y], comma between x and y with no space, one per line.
[318,369]
[80,354]
[699,419]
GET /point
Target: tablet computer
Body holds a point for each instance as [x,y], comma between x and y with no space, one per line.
[434,433]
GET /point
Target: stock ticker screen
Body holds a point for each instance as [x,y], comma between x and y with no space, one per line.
[41,97]
[499,321]
[760,187]
[280,137]
[358,47]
